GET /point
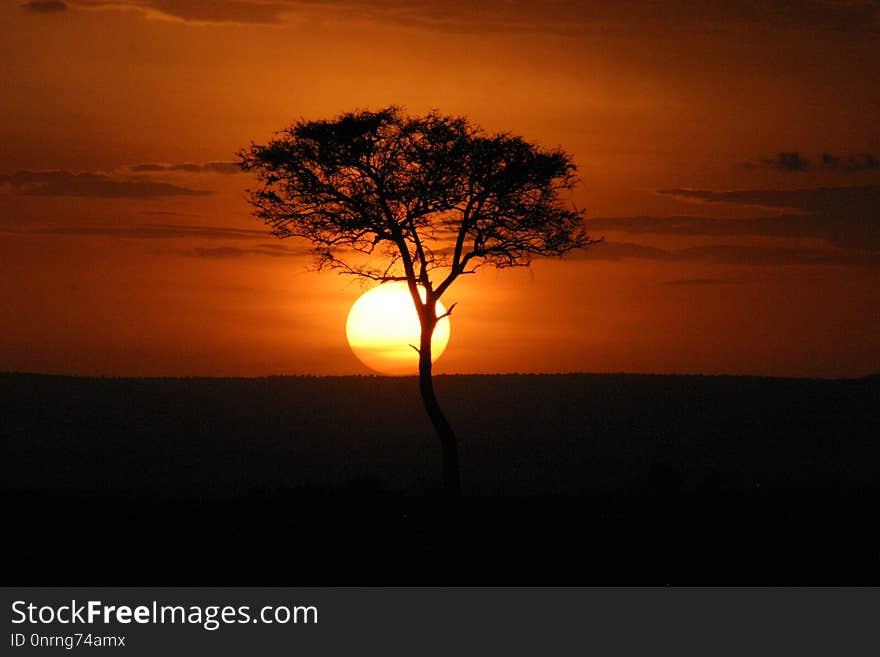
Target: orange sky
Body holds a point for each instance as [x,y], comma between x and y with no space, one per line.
[732,244]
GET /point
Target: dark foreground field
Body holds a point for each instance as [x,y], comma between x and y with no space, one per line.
[579,479]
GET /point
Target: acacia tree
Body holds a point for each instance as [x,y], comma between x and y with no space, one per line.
[384,196]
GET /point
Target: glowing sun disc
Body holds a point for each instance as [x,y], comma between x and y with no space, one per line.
[383,323]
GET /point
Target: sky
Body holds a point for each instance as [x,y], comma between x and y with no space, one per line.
[728,154]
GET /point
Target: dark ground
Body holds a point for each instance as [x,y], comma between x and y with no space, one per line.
[570,479]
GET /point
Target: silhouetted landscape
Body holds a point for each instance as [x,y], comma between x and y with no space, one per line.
[567,479]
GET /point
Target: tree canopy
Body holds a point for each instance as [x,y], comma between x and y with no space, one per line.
[422,199]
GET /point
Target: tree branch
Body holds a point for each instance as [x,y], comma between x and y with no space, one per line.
[448,312]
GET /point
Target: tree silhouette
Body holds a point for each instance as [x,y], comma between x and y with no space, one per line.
[421,199]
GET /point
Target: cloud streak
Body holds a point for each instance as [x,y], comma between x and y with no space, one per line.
[786,226]
[818,199]
[793,161]
[846,217]
[229,252]
[94,185]
[203,11]
[179,231]
[44,6]
[607,250]
[188,167]
[787,161]
[152,231]
[570,17]
[857,162]
[730,254]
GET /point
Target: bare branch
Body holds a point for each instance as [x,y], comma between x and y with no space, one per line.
[448,312]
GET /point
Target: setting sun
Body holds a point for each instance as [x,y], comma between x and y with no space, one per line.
[381,326]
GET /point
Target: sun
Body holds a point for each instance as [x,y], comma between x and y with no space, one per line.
[383,323]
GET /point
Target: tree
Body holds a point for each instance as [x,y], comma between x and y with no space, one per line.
[422,199]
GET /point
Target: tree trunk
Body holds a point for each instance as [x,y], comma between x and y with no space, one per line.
[451,480]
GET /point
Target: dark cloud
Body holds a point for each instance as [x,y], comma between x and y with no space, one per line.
[96,185]
[796,162]
[154,231]
[674,225]
[731,254]
[857,162]
[737,254]
[222,167]
[205,11]
[571,17]
[787,161]
[813,198]
[848,217]
[606,250]
[786,225]
[148,168]
[44,6]
[168,231]
[223,252]
[180,231]
[188,167]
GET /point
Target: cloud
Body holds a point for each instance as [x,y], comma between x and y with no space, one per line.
[813,198]
[731,254]
[203,11]
[221,11]
[857,162]
[188,167]
[737,254]
[95,185]
[796,162]
[606,250]
[153,231]
[179,231]
[224,252]
[44,6]
[786,225]
[571,17]
[674,225]
[847,217]
[787,161]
